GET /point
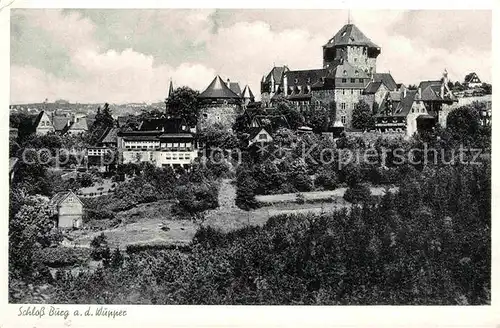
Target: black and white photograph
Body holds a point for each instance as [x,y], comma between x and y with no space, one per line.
[168,156]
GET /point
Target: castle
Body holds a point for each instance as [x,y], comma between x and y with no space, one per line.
[349,74]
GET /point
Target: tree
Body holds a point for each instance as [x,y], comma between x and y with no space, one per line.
[487,88]
[283,106]
[458,86]
[100,248]
[216,136]
[464,122]
[362,117]
[412,87]
[183,102]
[357,194]
[245,190]
[30,229]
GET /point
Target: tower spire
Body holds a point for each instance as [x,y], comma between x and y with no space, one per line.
[349,16]
[170,89]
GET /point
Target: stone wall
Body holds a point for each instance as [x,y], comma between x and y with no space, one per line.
[349,97]
[221,114]
[357,56]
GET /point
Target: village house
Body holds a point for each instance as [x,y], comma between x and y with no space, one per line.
[258,135]
[472,81]
[162,142]
[413,111]
[42,124]
[67,209]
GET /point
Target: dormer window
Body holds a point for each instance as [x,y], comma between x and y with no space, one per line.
[345,72]
[343,34]
[296,80]
[356,73]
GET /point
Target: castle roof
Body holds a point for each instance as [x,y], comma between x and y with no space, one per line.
[277,73]
[386,79]
[372,88]
[235,87]
[350,34]
[346,70]
[247,93]
[305,77]
[218,90]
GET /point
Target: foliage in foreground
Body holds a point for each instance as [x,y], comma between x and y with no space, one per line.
[428,244]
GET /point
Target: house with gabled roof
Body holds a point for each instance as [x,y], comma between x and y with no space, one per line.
[68,209]
[42,124]
[258,135]
[472,81]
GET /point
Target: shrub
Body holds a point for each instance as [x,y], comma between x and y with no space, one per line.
[98,215]
[300,199]
[62,256]
[351,174]
[326,179]
[357,194]
[100,248]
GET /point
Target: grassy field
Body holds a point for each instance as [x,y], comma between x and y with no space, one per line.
[143,224]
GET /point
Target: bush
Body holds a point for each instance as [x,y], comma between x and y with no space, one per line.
[98,215]
[300,199]
[142,247]
[357,194]
[351,174]
[62,256]
[100,248]
[326,179]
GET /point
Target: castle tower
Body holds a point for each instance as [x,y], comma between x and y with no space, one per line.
[352,46]
[218,105]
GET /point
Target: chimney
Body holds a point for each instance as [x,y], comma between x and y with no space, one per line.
[404,92]
[419,93]
[228,82]
[442,89]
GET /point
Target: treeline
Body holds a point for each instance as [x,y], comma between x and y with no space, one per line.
[428,244]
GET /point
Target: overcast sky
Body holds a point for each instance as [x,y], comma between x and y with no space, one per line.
[127,55]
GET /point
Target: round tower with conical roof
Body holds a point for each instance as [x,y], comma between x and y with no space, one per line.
[219,105]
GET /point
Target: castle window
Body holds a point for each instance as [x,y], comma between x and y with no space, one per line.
[296,80]
[353,80]
[205,115]
[360,80]
[262,136]
[352,91]
[343,91]
[355,60]
[342,105]
[344,80]
[343,119]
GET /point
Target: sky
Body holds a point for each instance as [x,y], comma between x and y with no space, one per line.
[130,55]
